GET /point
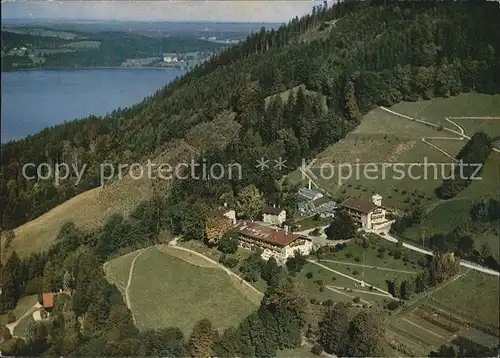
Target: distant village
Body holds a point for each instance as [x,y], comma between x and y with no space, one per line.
[184,61]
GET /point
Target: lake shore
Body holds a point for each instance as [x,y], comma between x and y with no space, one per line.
[96,68]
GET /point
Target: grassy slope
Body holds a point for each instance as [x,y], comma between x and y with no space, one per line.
[285,94]
[168,291]
[476,295]
[449,214]
[24,304]
[380,138]
[90,209]
[117,270]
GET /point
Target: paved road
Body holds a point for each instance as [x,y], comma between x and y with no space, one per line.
[463,263]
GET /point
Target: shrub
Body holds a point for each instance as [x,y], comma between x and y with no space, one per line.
[356,299]
[5,333]
[357,259]
[317,349]
[11,317]
[334,278]
[328,303]
[34,286]
[231,262]
[393,305]
[321,288]
[309,275]
[355,273]
[397,254]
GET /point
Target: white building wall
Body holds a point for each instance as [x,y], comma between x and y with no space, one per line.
[231,214]
[304,249]
[274,219]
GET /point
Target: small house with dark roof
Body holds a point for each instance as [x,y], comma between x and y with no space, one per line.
[367,215]
[273,215]
[276,243]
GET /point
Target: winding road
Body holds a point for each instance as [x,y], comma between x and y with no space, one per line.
[461,133]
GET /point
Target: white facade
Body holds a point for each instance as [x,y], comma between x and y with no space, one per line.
[276,243]
[281,254]
[274,219]
[371,218]
[377,199]
[231,214]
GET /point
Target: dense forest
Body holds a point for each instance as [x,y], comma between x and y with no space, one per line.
[420,49]
[114,49]
[377,53]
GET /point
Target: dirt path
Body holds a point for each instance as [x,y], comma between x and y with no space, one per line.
[127,288]
[331,288]
[422,328]
[461,133]
[361,291]
[372,267]
[173,243]
[13,325]
[352,279]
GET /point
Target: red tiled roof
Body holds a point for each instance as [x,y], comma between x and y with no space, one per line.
[49,299]
[264,233]
[359,205]
[272,210]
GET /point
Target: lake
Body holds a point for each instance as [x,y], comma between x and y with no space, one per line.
[35,99]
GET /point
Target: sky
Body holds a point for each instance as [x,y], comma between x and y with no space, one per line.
[158,10]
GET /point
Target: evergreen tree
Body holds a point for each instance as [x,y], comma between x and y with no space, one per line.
[202,339]
[333,330]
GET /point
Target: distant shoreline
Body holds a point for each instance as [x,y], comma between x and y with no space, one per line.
[94,68]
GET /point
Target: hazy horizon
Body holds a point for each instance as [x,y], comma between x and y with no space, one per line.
[234,11]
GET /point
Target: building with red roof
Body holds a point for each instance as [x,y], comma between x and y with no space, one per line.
[49,300]
[276,243]
[368,215]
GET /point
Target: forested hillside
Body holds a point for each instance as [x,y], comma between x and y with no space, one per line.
[374,55]
[102,49]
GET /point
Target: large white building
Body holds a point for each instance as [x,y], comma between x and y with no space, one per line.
[276,243]
[368,215]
